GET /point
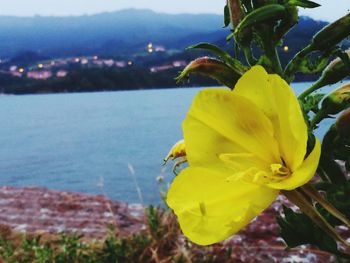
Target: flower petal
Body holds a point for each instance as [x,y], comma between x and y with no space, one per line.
[277,100]
[234,118]
[303,174]
[292,133]
[210,208]
[204,145]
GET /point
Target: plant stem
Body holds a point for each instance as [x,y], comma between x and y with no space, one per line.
[323,174]
[249,56]
[292,66]
[320,115]
[317,85]
[272,56]
[314,194]
[307,208]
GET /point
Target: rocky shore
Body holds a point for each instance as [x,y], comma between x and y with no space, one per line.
[43,211]
[39,210]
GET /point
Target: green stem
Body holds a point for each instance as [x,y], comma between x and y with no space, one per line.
[320,115]
[272,56]
[308,209]
[323,174]
[315,195]
[293,65]
[317,85]
[249,56]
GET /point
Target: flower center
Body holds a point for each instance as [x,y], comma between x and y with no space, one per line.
[279,170]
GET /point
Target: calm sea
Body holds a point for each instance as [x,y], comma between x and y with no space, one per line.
[89,142]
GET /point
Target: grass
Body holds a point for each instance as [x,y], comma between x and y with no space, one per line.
[160,242]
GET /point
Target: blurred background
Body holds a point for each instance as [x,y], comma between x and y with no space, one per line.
[61,134]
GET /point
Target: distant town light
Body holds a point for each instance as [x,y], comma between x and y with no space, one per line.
[150,48]
[95,57]
[40,65]
[21,70]
[61,73]
[13,68]
[285,48]
[130,63]
[84,61]
[77,60]
[52,63]
[159,49]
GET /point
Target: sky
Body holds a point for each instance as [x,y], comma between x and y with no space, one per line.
[329,11]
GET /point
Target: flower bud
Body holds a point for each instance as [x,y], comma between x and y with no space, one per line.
[332,34]
[343,123]
[262,14]
[337,100]
[178,150]
[213,68]
[235,11]
[335,71]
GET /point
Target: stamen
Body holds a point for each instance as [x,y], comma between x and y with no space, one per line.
[254,175]
[279,170]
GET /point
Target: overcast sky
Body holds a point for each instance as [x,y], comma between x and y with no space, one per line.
[330,10]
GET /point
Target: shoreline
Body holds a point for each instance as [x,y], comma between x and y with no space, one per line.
[127,89]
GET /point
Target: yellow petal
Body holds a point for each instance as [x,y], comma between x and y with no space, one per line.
[292,133]
[277,100]
[242,161]
[204,145]
[234,118]
[210,208]
[302,174]
[254,85]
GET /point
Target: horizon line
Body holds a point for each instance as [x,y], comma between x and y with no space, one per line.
[123,10]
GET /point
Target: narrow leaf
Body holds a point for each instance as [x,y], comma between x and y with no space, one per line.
[226,16]
[303,3]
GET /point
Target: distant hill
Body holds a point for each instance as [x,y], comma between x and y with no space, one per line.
[122,32]
[115,32]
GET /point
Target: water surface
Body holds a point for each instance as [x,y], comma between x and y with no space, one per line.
[85,141]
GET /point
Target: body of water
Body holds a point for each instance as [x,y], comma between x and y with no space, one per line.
[86,142]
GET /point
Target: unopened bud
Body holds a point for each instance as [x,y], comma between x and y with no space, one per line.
[332,34]
[235,10]
[337,100]
[262,14]
[335,71]
[178,150]
[212,68]
[343,123]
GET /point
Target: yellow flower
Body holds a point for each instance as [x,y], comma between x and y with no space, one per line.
[242,146]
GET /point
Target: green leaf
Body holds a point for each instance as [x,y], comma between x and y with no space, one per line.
[307,66]
[332,169]
[230,61]
[303,3]
[298,229]
[311,102]
[338,196]
[227,19]
[230,36]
